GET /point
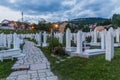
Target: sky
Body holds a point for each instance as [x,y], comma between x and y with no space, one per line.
[57,10]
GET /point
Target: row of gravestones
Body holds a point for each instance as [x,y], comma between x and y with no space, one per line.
[7,40]
[104,35]
[116,34]
[107,42]
[37,37]
[42,37]
[107,39]
[95,35]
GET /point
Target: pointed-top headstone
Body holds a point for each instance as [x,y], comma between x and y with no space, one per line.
[16,42]
[109,46]
[95,36]
[44,39]
[112,31]
[79,42]
[103,40]
[68,39]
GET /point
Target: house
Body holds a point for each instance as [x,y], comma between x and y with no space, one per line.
[62,26]
[7,24]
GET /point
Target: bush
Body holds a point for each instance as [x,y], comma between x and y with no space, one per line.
[56,48]
[88,38]
[58,51]
[54,43]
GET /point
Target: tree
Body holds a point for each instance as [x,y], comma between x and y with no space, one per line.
[43,26]
[86,28]
[71,26]
[116,20]
[80,26]
[105,22]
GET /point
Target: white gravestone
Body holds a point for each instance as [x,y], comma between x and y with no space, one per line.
[68,39]
[79,42]
[117,36]
[61,38]
[1,39]
[40,39]
[16,42]
[75,38]
[8,41]
[103,40]
[4,41]
[109,46]
[44,39]
[95,36]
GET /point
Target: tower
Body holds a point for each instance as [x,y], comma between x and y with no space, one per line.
[22,16]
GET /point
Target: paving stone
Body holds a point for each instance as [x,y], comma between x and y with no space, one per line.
[35,79]
[32,72]
[42,74]
[43,70]
[43,79]
[21,67]
[34,75]
[22,77]
[11,78]
[38,66]
[52,78]
[49,74]
[18,73]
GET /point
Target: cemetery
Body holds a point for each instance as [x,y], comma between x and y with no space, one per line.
[55,55]
[59,40]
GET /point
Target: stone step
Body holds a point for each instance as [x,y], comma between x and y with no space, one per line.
[39,66]
[20,67]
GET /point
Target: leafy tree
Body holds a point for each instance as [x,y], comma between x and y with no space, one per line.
[80,26]
[116,20]
[86,28]
[43,26]
[72,27]
[104,22]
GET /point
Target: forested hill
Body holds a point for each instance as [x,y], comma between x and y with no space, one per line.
[88,20]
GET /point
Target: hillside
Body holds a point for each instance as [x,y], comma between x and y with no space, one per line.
[88,21]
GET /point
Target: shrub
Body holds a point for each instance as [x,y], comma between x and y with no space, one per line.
[54,43]
[58,51]
[88,38]
[55,47]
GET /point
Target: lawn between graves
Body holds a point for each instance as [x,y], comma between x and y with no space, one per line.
[5,68]
[94,68]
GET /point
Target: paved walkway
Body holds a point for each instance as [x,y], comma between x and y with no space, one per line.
[34,66]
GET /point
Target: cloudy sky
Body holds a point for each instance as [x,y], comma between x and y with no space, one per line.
[58,10]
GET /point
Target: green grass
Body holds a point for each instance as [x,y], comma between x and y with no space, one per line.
[7,31]
[94,68]
[5,68]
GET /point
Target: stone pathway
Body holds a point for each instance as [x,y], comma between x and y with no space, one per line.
[34,66]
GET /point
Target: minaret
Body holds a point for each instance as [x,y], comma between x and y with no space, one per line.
[22,16]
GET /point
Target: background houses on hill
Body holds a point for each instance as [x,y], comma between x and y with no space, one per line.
[8,24]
